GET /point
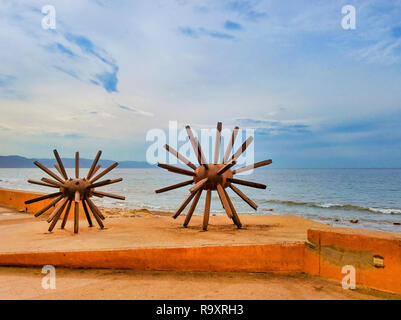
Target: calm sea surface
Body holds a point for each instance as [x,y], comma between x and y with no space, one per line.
[333,196]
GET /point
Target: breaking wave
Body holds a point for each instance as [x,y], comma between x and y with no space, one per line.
[338,206]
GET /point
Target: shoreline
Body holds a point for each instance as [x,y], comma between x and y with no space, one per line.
[14,199]
[367,217]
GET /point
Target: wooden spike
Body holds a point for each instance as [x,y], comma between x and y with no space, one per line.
[247,183]
[94,212]
[77,165]
[199,185]
[236,219]
[109,195]
[224,201]
[94,163]
[66,213]
[77,196]
[54,183]
[207,209]
[179,156]
[176,169]
[96,170]
[48,196]
[244,197]
[218,141]
[230,144]
[51,204]
[99,213]
[57,216]
[99,184]
[48,171]
[105,171]
[192,208]
[98,219]
[241,149]
[226,167]
[184,204]
[76,216]
[253,166]
[175,186]
[195,145]
[58,168]
[50,181]
[42,183]
[57,209]
[104,183]
[88,217]
[61,166]
[94,208]
[203,159]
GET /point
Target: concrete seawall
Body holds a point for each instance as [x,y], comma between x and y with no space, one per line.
[256,258]
[377,260]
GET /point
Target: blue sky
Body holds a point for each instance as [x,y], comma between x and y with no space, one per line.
[317,95]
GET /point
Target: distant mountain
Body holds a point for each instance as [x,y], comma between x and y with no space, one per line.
[21,162]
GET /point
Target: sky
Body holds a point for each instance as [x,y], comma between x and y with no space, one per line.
[316,95]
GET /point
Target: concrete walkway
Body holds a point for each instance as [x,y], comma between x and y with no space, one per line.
[25,283]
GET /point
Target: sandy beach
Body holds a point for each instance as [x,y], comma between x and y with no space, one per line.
[141,228]
[138,228]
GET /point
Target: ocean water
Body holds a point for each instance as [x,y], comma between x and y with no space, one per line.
[332,196]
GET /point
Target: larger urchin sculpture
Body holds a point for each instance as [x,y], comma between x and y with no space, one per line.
[213,176]
[74,190]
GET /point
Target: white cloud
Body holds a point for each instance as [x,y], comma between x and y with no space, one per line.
[297,57]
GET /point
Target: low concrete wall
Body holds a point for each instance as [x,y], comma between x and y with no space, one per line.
[282,258]
[377,260]
[16,199]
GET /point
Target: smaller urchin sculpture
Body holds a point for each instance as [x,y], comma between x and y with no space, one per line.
[213,176]
[74,190]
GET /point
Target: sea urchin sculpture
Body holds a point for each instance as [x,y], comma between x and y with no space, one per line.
[213,176]
[74,190]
